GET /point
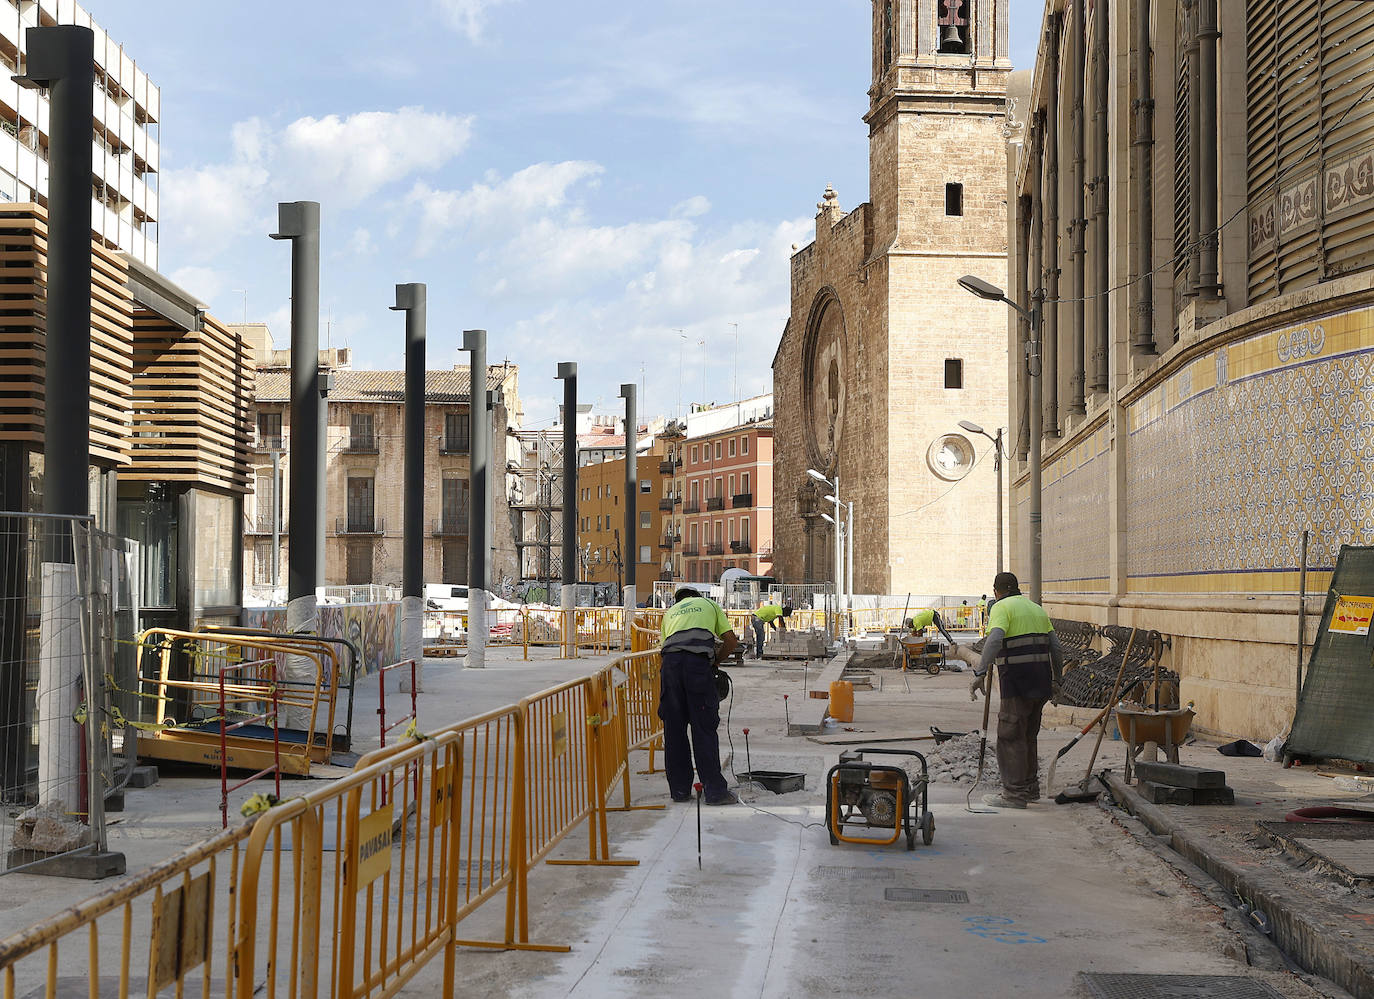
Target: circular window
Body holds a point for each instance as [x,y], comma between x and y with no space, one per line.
[950,457]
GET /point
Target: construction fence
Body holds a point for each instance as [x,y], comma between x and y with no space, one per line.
[358,886]
[67,604]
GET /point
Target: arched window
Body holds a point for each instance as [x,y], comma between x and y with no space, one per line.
[954,26]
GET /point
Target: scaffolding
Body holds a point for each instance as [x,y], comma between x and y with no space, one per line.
[536,506]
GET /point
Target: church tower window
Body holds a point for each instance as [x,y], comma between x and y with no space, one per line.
[954,199]
[886,54]
[954,33]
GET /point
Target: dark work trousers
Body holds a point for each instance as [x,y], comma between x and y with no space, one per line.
[760,636]
[688,698]
[1018,731]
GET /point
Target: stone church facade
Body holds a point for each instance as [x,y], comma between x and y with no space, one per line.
[883,354]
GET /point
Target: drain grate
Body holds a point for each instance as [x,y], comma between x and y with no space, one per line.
[851,873]
[924,895]
[1178,987]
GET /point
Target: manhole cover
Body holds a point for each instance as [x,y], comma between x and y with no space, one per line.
[924,895]
[1178,987]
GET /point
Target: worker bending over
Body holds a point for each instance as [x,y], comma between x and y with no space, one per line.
[922,620]
[769,615]
[1022,643]
[687,694]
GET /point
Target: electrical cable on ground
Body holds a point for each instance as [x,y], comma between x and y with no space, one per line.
[729,712]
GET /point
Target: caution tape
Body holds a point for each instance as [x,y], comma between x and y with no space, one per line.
[413,731]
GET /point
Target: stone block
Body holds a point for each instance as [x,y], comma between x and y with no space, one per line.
[1163,794]
[1176,775]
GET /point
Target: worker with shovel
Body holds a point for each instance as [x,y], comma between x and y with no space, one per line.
[1022,643]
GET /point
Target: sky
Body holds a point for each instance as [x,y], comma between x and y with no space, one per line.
[616,184]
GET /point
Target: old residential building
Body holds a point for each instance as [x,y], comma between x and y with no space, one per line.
[365,459]
[1201,236]
[727,509]
[883,353]
[602,546]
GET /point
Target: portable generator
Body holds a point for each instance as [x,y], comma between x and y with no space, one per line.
[861,794]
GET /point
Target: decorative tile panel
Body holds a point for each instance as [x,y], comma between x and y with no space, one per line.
[1233,456]
[1076,516]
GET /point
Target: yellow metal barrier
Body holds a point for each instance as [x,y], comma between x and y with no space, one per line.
[169,908]
[422,834]
[188,740]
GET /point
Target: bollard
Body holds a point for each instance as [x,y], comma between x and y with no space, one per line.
[786,717]
[747,762]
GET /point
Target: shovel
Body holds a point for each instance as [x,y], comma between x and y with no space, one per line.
[1049,781]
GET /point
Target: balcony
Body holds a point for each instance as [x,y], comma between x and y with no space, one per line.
[455,445]
[269,442]
[666,503]
[677,501]
[451,527]
[740,500]
[665,468]
[741,547]
[715,503]
[667,543]
[361,444]
[692,507]
[690,550]
[717,548]
[677,462]
[359,525]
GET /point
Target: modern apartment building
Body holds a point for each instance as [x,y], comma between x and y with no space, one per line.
[124,213]
[364,476]
[727,508]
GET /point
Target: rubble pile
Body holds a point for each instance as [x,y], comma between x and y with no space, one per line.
[956,761]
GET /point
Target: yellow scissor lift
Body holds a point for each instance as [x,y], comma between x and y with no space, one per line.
[195,737]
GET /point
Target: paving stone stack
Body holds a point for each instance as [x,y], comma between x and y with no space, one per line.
[794,644]
[1173,784]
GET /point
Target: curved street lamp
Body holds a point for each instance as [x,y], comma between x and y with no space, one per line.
[834,497]
[973,428]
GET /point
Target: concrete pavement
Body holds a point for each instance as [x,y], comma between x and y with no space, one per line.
[775,910]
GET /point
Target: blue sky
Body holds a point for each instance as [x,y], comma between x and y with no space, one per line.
[580,179]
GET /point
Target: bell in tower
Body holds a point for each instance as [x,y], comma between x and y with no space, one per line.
[953,27]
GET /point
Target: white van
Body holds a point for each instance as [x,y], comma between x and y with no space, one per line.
[444,597]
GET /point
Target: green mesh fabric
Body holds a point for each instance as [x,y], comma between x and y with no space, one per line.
[1335,717]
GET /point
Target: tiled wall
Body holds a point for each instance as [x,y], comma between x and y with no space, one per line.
[1076,516]
[1234,455]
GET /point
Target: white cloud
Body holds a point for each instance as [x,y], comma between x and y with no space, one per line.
[203,283]
[467,16]
[539,188]
[360,243]
[337,161]
[358,155]
[692,208]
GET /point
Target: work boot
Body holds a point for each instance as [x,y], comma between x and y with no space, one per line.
[728,798]
[682,797]
[1001,801]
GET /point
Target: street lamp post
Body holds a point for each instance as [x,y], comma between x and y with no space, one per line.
[990,292]
[973,428]
[834,497]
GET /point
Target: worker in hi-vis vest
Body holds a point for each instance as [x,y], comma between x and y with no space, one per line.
[922,620]
[696,638]
[769,615]
[1022,644]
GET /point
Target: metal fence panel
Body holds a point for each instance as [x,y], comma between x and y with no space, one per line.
[54,756]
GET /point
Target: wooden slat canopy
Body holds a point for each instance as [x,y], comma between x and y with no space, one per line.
[190,398]
[23,289]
